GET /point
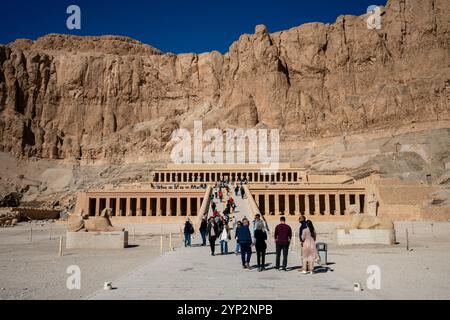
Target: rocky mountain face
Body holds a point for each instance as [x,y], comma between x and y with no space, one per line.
[111,97]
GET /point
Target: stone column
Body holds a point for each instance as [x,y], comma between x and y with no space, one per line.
[337,200]
[138,207]
[357,202]
[147,207]
[178,212]
[347,202]
[188,206]
[158,205]
[128,207]
[317,204]
[97,206]
[108,202]
[327,204]
[297,204]
[307,212]
[266,203]
[286,204]
[277,204]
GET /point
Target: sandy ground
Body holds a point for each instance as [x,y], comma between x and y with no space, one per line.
[33,270]
[422,272]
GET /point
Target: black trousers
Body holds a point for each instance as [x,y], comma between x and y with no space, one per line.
[279,249]
[261,256]
[212,243]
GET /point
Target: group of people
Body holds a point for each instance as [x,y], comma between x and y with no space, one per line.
[216,227]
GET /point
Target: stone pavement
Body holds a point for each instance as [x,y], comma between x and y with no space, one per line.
[192,273]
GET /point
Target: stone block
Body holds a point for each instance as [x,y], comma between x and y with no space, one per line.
[97,240]
[365,236]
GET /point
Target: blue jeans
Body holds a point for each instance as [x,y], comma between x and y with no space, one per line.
[246,253]
[224,246]
[187,239]
[203,234]
[238,247]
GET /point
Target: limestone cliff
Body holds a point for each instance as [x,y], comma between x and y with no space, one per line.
[109,97]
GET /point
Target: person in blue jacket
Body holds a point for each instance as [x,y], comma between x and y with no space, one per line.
[244,238]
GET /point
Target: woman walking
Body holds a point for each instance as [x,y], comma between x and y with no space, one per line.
[260,246]
[212,231]
[309,251]
[244,238]
[224,237]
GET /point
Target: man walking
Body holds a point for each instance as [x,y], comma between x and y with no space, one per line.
[203,227]
[242,192]
[283,235]
[188,231]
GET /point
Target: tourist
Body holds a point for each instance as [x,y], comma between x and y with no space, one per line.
[303,226]
[219,222]
[213,206]
[309,250]
[225,236]
[231,202]
[212,231]
[220,195]
[188,230]
[258,221]
[260,246]
[244,238]
[226,216]
[302,221]
[236,226]
[283,235]
[236,190]
[242,192]
[202,229]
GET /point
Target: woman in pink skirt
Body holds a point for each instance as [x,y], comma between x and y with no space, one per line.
[309,251]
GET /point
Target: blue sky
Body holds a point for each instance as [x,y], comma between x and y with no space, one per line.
[174,25]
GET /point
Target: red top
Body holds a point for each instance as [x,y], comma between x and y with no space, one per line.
[283,233]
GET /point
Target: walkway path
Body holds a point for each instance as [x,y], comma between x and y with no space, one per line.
[192,273]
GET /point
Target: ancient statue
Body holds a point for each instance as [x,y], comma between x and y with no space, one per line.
[83,222]
[366,221]
[8,219]
[372,204]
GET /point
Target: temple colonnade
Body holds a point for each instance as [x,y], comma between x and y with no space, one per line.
[310,201]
